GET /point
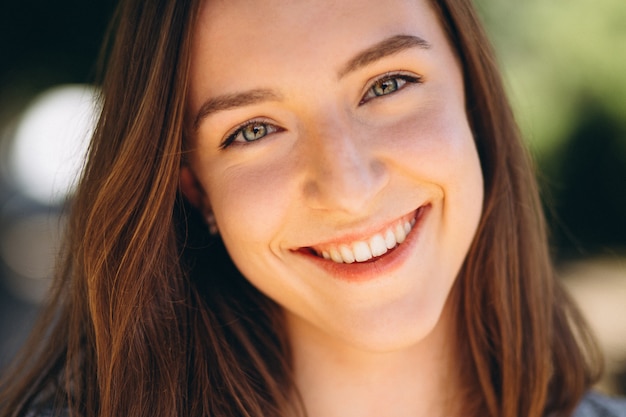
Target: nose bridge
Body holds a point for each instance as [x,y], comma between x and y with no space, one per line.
[344,171]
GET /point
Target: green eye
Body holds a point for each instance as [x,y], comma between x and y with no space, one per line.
[250,131]
[254,131]
[386,86]
[389,84]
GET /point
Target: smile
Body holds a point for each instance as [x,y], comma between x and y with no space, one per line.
[371,247]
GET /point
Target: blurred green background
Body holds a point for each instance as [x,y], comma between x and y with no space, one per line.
[565,67]
[564,64]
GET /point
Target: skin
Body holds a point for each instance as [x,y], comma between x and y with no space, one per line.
[340,164]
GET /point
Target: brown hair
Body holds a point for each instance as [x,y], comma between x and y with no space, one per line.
[150,317]
[530,352]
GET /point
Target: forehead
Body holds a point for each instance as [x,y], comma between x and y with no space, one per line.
[308,16]
[242,41]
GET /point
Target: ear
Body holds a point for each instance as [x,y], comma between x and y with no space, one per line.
[192,190]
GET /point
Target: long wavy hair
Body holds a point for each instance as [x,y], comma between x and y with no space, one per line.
[149,317]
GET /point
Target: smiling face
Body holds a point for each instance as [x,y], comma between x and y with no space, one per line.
[332,145]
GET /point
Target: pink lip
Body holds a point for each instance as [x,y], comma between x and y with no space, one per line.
[374,268]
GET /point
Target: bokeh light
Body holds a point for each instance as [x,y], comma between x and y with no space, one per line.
[50,142]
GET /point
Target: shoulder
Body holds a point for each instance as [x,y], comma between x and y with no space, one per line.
[598,405]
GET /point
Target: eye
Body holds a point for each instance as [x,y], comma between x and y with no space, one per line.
[389,84]
[250,131]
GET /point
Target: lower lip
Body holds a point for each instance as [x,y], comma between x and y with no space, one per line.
[376,267]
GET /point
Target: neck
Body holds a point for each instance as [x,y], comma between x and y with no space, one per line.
[339,380]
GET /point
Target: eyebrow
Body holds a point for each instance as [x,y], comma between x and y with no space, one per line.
[230,101]
[382,49]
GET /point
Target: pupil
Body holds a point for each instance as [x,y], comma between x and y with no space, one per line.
[386,87]
[254,132]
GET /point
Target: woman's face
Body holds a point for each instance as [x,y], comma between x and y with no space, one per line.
[332,144]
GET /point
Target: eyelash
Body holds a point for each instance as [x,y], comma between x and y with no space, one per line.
[396,76]
[238,131]
[367,96]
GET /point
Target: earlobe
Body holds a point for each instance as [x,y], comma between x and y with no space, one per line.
[194,193]
[191,188]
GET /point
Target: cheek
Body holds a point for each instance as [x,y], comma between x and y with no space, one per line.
[435,142]
[436,148]
[250,202]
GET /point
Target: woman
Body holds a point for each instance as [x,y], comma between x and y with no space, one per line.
[306,208]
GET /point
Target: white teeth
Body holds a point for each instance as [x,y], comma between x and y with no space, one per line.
[399,233]
[346,254]
[361,251]
[336,256]
[390,239]
[378,245]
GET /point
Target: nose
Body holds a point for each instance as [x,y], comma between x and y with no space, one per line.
[343,170]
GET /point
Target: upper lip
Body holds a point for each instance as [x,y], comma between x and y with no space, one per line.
[361,235]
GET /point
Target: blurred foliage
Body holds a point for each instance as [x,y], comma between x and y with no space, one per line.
[565,68]
[556,54]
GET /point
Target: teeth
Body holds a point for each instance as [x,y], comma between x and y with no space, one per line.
[390,239]
[400,233]
[335,255]
[377,245]
[346,254]
[361,251]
